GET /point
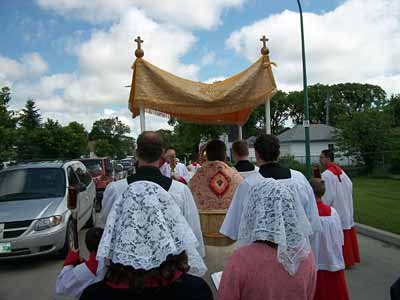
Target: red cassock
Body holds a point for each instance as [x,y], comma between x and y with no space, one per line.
[351,253]
[330,285]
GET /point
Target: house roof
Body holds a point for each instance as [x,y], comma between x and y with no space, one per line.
[318,132]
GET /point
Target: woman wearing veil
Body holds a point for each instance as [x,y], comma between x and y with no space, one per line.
[274,260]
[151,249]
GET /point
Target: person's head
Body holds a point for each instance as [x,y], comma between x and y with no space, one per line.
[216,150]
[326,157]
[136,278]
[92,238]
[152,237]
[266,149]
[240,150]
[149,148]
[318,186]
[170,154]
[272,216]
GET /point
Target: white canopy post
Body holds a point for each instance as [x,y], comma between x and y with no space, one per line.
[240,132]
[142,119]
[268,116]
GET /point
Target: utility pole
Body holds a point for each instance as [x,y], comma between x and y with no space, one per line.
[306,121]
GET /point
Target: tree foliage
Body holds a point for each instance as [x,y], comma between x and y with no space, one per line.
[111,138]
[7,126]
[367,134]
[30,117]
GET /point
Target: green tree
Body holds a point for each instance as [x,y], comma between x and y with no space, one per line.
[7,127]
[104,148]
[366,135]
[28,141]
[77,140]
[30,117]
[112,136]
[51,140]
[187,136]
[338,100]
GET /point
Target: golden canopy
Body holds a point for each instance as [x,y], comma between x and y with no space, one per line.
[230,101]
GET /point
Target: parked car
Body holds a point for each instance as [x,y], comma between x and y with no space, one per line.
[129,165]
[102,172]
[34,214]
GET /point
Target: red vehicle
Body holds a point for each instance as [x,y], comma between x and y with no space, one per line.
[102,172]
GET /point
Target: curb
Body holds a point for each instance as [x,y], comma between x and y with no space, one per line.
[378,234]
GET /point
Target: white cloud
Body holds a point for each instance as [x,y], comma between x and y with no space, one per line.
[215,79]
[358,41]
[30,64]
[208,58]
[203,14]
[105,62]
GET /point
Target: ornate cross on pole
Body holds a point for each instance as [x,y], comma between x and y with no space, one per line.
[139,51]
[264,49]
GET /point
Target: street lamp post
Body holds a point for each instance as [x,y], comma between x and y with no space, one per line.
[306,121]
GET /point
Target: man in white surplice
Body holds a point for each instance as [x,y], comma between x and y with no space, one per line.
[149,152]
[267,152]
[179,171]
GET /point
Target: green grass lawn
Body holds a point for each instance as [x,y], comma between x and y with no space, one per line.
[377,203]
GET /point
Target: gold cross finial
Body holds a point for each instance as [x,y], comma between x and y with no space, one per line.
[264,49]
[139,51]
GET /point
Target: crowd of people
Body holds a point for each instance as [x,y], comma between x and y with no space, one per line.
[293,237]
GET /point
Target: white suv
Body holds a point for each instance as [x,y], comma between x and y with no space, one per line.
[34,214]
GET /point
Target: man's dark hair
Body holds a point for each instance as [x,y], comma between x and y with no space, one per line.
[318,186]
[329,154]
[149,146]
[267,146]
[216,150]
[92,238]
[240,148]
[170,148]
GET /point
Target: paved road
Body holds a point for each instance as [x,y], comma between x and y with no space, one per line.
[34,278]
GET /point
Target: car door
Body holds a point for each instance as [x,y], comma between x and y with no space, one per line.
[85,205]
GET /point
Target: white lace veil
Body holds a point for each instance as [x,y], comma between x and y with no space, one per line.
[271,215]
[144,226]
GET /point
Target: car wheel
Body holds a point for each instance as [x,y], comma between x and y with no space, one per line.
[69,239]
[92,221]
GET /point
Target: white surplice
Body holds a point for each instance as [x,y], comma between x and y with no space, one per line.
[180,170]
[298,184]
[339,195]
[179,192]
[327,244]
[72,281]
[248,173]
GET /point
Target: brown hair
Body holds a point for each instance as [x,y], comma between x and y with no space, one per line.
[240,148]
[267,146]
[118,273]
[216,150]
[318,186]
[149,146]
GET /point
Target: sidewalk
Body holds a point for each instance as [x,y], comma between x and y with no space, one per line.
[370,280]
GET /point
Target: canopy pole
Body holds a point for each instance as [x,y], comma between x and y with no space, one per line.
[142,119]
[240,132]
[268,116]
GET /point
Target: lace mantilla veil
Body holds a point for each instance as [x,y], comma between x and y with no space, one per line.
[271,215]
[144,226]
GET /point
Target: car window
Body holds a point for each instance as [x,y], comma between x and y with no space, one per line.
[35,183]
[72,178]
[109,167]
[83,175]
[94,166]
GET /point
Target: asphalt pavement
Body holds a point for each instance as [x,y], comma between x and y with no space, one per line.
[34,278]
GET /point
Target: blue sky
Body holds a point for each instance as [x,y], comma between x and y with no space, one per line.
[73,57]
[29,28]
